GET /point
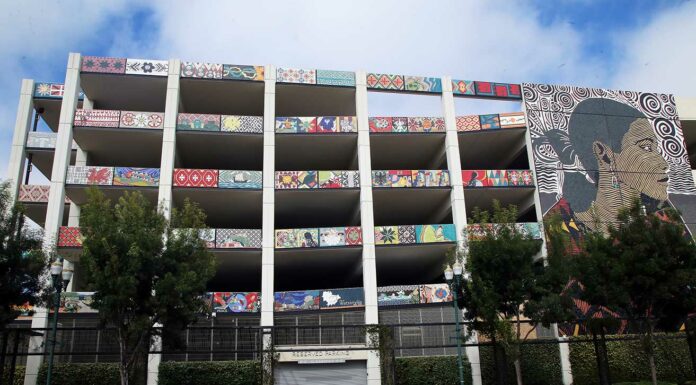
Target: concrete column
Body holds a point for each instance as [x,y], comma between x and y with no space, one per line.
[454,166]
[367,222]
[268,209]
[56,199]
[15,168]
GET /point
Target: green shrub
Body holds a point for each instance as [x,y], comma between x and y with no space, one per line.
[210,373]
[646,382]
[627,362]
[437,370]
[81,374]
[541,365]
[18,377]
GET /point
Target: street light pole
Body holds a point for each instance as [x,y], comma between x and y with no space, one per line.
[57,272]
[453,277]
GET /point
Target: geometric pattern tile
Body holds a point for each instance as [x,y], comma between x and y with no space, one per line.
[468,123]
[201,70]
[386,235]
[49,90]
[348,124]
[245,124]
[147,67]
[380,124]
[484,89]
[401,124]
[69,237]
[198,122]
[296,75]
[109,65]
[296,125]
[426,124]
[237,238]
[41,140]
[423,84]
[97,118]
[242,72]
[385,81]
[136,176]
[512,120]
[136,119]
[326,124]
[239,179]
[186,177]
[92,175]
[505,90]
[291,180]
[463,87]
[336,78]
[353,236]
[520,178]
[490,121]
[35,193]
[407,234]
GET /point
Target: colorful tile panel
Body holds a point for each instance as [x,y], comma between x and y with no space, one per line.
[136,119]
[201,70]
[243,124]
[108,65]
[435,293]
[187,177]
[400,124]
[380,124]
[512,120]
[296,238]
[489,122]
[236,302]
[436,233]
[338,179]
[353,236]
[92,175]
[69,237]
[407,234]
[33,193]
[422,84]
[237,238]
[296,125]
[463,87]
[41,140]
[76,302]
[520,178]
[290,180]
[477,231]
[198,122]
[239,179]
[49,90]
[342,298]
[327,124]
[468,123]
[296,75]
[147,67]
[242,72]
[336,78]
[136,176]
[504,90]
[386,235]
[297,300]
[430,178]
[385,81]
[497,178]
[347,124]
[97,118]
[208,237]
[332,236]
[484,89]
[398,295]
[426,124]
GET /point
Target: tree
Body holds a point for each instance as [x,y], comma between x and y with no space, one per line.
[21,260]
[641,267]
[144,271]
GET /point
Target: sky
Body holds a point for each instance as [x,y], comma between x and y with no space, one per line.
[626,44]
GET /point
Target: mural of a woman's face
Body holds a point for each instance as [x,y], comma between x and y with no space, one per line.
[639,165]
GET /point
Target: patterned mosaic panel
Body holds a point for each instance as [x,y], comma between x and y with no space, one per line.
[108,65]
[237,238]
[93,175]
[41,140]
[34,193]
[239,179]
[407,234]
[208,237]
[347,124]
[201,70]
[295,125]
[69,237]
[327,124]
[342,298]
[242,72]
[498,90]
[188,177]
[463,87]
[76,302]
[97,118]
[339,179]
[293,238]
[245,124]
[380,124]
[430,178]
[353,236]
[136,119]
[422,84]
[512,120]
[488,122]
[290,180]
[386,235]
[497,178]
[332,236]
[435,293]
[468,123]
[392,178]
[400,124]
[147,67]
[398,295]
[198,122]
[296,75]
[336,78]
[477,231]
[436,233]
[520,177]
[426,124]
[297,300]
[236,302]
[385,81]
[136,176]
[49,90]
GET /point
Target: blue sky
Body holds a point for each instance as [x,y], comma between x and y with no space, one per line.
[637,45]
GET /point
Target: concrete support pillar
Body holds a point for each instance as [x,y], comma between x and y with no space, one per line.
[15,168]
[369,264]
[56,199]
[454,166]
[268,209]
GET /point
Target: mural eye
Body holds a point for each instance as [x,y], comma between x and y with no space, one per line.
[646,147]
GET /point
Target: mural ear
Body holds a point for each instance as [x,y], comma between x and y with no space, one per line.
[602,153]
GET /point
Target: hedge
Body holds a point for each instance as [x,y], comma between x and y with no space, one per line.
[18,377]
[81,374]
[210,373]
[430,370]
[541,365]
[627,362]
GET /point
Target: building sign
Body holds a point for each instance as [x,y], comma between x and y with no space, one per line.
[339,355]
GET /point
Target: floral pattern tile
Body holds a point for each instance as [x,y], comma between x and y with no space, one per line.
[468,123]
[242,124]
[108,65]
[463,87]
[385,81]
[147,67]
[187,177]
[97,118]
[296,75]
[198,122]
[137,119]
[201,70]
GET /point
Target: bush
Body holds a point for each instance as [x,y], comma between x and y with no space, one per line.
[210,373]
[627,362]
[646,382]
[438,370]
[541,365]
[81,374]
[18,377]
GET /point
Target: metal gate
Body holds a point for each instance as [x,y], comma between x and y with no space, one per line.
[348,373]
